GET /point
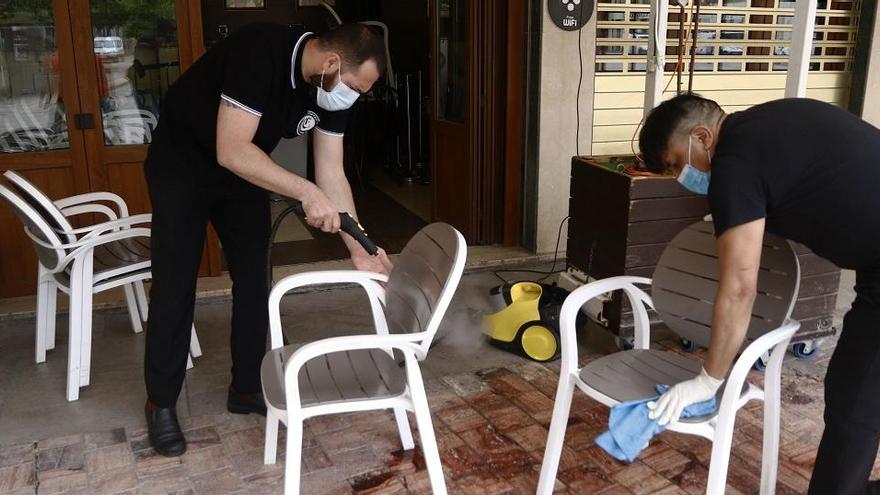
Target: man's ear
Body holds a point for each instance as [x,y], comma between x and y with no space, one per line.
[704,135]
[331,62]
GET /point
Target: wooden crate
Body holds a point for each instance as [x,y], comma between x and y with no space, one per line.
[620,224]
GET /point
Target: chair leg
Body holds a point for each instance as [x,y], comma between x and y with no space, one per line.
[772,406]
[406,437]
[556,435]
[426,430]
[143,307]
[720,459]
[133,313]
[86,316]
[271,448]
[41,331]
[294,453]
[195,349]
[51,314]
[74,344]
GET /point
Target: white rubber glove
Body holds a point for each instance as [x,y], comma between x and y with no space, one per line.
[670,405]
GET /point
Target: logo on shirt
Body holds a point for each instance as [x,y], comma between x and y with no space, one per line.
[307,123]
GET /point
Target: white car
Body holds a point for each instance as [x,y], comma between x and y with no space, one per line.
[109,46]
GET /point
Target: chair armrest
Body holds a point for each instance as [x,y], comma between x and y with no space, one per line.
[578,297]
[120,223]
[777,339]
[90,208]
[86,243]
[92,198]
[368,280]
[404,343]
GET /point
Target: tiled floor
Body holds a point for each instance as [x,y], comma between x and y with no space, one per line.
[490,412]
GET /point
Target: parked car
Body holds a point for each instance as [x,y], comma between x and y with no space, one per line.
[109,46]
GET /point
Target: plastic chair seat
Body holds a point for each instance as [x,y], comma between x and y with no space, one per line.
[336,377]
[114,260]
[631,375]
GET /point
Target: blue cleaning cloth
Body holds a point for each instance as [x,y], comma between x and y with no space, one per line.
[630,429]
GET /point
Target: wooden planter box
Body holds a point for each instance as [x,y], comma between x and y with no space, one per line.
[620,224]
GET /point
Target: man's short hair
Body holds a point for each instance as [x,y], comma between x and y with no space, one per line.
[677,115]
[356,43]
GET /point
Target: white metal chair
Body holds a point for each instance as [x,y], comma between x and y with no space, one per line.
[366,372]
[81,262]
[684,288]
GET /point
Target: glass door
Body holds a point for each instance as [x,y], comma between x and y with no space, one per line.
[127,57]
[39,104]
[451,122]
[128,54]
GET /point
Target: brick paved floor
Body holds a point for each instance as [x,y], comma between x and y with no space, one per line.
[491,427]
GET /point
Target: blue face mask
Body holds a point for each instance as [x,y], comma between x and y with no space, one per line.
[693,179]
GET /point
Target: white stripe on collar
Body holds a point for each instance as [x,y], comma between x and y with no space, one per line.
[293,59]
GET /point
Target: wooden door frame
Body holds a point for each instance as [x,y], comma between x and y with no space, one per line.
[75,154]
[514,135]
[494,99]
[100,156]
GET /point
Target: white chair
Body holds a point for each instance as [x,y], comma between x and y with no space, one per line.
[57,214]
[684,287]
[129,126]
[81,262]
[366,372]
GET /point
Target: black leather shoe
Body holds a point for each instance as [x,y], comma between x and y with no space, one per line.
[237,403]
[164,431]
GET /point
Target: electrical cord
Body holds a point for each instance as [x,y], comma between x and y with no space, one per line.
[577,101]
[545,273]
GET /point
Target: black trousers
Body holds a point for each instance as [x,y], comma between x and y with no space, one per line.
[852,397]
[187,191]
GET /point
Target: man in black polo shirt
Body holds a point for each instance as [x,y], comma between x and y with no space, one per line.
[810,172]
[209,162]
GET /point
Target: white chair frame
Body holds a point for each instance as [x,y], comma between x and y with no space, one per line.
[75,249]
[412,346]
[718,429]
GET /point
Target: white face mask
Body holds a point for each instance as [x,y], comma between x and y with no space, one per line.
[340,98]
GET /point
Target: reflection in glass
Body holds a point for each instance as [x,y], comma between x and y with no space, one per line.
[136,60]
[31,101]
[609,67]
[609,50]
[609,33]
[450,60]
[245,4]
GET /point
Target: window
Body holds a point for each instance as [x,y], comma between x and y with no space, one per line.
[734,35]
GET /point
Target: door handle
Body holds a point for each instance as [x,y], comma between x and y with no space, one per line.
[84,121]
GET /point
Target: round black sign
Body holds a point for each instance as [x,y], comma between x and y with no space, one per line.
[570,15]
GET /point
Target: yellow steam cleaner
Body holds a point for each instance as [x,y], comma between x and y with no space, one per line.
[526,320]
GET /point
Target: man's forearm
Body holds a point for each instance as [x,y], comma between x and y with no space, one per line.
[336,187]
[253,165]
[730,321]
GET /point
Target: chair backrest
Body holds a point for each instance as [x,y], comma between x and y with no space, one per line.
[424,278]
[685,284]
[38,227]
[41,203]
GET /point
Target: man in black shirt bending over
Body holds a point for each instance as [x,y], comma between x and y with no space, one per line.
[209,162]
[809,172]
